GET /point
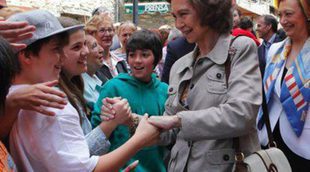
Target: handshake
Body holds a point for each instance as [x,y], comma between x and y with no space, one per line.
[144,128]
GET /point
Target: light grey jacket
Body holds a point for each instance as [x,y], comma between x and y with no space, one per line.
[214,114]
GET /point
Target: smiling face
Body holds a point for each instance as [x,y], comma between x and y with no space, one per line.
[292,19]
[104,34]
[188,21]
[76,52]
[95,56]
[262,28]
[46,65]
[141,63]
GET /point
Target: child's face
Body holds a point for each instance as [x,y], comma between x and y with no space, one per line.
[76,52]
[141,64]
[46,66]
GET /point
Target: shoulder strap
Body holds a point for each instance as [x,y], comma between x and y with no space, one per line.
[271,143]
[236,145]
[239,157]
[236,142]
[228,60]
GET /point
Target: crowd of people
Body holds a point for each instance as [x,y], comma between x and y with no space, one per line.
[100,96]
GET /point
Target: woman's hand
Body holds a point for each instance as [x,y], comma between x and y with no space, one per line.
[146,133]
[115,109]
[165,122]
[37,97]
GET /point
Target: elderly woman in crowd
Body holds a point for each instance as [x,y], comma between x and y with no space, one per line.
[286,84]
[92,84]
[101,27]
[125,30]
[214,91]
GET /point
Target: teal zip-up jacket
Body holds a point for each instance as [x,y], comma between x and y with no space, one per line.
[143,98]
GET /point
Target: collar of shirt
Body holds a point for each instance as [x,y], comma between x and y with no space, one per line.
[268,43]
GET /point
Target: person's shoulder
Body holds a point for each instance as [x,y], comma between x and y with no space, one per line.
[117,81]
[275,46]
[274,49]
[243,43]
[177,42]
[163,85]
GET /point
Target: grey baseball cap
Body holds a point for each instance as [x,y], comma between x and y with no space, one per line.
[45,22]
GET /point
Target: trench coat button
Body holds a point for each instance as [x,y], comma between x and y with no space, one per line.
[218,75]
[170,89]
[226,157]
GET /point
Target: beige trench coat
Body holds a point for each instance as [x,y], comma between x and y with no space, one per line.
[214,114]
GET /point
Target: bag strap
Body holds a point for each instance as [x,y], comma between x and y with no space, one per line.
[228,60]
[271,142]
[236,145]
[239,156]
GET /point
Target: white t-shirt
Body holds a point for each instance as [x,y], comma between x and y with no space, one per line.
[50,143]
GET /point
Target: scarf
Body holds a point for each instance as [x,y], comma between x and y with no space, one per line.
[295,92]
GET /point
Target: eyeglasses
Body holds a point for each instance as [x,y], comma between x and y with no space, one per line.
[104,30]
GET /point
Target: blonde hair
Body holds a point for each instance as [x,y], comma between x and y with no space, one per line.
[91,27]
[126,24]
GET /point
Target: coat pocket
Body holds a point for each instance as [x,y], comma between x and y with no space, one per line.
[221,156]
[216,81]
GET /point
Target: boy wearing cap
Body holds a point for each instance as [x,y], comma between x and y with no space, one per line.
[57,143]
[40,61]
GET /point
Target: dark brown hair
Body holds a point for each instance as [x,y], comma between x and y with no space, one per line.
[73,87]
[8,68]
[216,14]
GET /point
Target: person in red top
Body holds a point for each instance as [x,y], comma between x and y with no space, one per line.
[245,29]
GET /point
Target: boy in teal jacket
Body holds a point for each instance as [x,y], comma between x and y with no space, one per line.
[144,92]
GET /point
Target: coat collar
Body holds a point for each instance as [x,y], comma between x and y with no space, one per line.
[188,60]
[220,51]
[217,55]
